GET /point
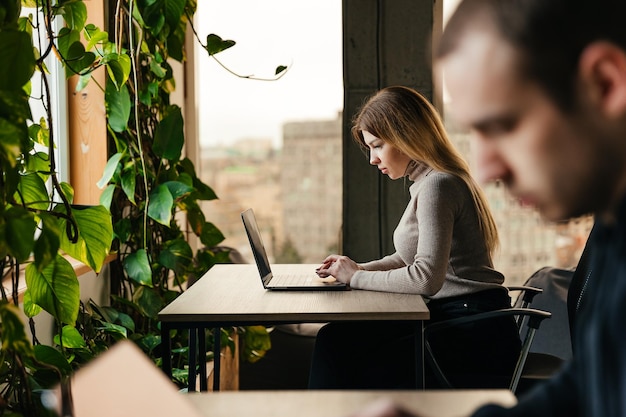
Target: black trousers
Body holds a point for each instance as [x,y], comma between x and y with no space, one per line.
[381,354]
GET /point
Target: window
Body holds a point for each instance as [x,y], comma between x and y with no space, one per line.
[58,95]
[274,146]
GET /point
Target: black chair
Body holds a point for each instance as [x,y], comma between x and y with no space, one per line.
[552,344]
[534,320]
[563,294]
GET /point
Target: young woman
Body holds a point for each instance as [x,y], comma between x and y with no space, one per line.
[443,244]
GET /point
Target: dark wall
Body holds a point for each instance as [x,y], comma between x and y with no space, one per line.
[384,43]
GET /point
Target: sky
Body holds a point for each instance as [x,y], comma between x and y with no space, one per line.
[304,35]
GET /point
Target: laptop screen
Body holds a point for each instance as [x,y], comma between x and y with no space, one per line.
[256,243]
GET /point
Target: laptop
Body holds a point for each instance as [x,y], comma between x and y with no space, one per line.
[294,282]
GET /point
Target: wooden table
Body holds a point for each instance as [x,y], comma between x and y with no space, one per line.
[450,403]
[232,295]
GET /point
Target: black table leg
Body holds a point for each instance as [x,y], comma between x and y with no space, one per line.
[202,356]
[193,356]
[217,348]
[166,348]
[419,356]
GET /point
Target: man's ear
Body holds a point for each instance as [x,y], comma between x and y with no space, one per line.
[602,68]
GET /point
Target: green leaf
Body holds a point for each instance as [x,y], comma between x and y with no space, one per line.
[107,196]
[12,332]
[154,18]
[176,255]
[55,289]
[95,36]
[95,233]
[51,356]
[75,51]
[118,68]
[149,342]
[174,10]
[160,205]
[68,191]
[78,59]
[109,170]
[126,321]
[32,192]
[148,301]
[206,258]
[114,329]
[138,17]
[9,12]
[75,14]
[66,38]
[279,69]
[175,47]
[211,236]
[157,69]
[39,163]
[79,66]
[195,218]
[256,341]
[128,179]
[12,136]
[48,243]
[83,80]
[123,229]
[137,267]
[20,228]
[215,44]
[71,338]
[40,132]
[18,60]
[112,316]
[203,191]
[14,106]
[30,309]
[178,189]
[169,136]
[118,107]
[185,178]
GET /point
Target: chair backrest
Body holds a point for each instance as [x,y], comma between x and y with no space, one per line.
[554,336]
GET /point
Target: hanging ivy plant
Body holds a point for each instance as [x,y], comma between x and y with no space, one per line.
[150,206]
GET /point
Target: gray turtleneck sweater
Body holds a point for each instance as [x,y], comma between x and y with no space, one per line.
[440,250]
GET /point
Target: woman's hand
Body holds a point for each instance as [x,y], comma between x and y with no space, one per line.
[340,267]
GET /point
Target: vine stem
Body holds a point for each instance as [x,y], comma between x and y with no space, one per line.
[135,58]
[247,77]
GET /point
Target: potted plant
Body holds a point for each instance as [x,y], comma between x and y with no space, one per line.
[152,192]
[152,189]
[39,225]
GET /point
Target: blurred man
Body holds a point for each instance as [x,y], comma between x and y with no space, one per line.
[541,85]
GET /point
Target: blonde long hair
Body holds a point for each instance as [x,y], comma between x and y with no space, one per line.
[404,118]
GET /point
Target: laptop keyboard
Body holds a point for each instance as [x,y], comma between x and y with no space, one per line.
[291,280]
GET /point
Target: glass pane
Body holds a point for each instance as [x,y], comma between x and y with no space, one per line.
[274,146]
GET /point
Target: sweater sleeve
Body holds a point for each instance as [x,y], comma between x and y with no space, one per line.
[435,207]
[392,261]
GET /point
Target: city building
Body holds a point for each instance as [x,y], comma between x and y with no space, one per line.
[311,184]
